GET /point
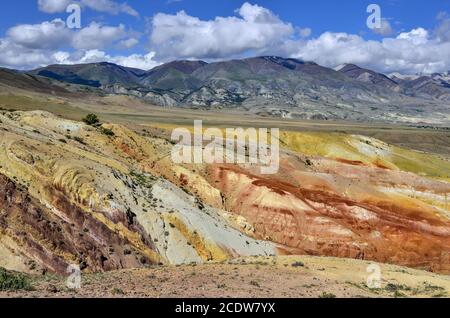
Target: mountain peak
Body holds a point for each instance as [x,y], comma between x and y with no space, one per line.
[281,60]
[346,66]
[368,76]
[184,66]
[349,66]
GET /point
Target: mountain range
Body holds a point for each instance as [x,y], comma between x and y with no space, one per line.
[272,86]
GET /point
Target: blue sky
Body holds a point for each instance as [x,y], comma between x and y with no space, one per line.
[157,32]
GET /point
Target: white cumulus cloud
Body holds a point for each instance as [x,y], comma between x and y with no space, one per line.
[140,61]
[385,29]
[184,36]
[110,7]
[409,52]
[442,31]
[16,56]
[46,35]
[28,46]
[129,43]
[53,6]
[54,34]
[143,62]
[97,36]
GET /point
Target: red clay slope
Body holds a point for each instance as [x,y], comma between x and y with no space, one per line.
[322,220]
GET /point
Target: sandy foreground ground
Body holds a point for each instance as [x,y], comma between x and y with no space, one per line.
[281,277]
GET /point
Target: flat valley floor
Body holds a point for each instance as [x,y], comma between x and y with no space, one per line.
[266,277]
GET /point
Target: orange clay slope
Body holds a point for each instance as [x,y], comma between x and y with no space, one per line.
[358,199]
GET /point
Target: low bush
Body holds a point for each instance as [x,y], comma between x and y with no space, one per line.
[91,119]
[13,281]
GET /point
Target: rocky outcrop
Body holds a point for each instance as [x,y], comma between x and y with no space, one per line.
[74,195]
[64,234]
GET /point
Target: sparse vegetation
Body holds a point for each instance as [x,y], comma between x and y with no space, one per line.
[391,287]
[440,295]
[309,286]
[298,264]
[255,283]
[118,291]
[79,139]
[327,295]
[144,180]
[106,131]
[399,294]
[427,287]
[13,281]
[91,120]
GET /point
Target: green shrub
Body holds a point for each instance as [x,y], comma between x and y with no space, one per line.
[91,119]
[12,281]
[144,180]
[107,132]
[391,287]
